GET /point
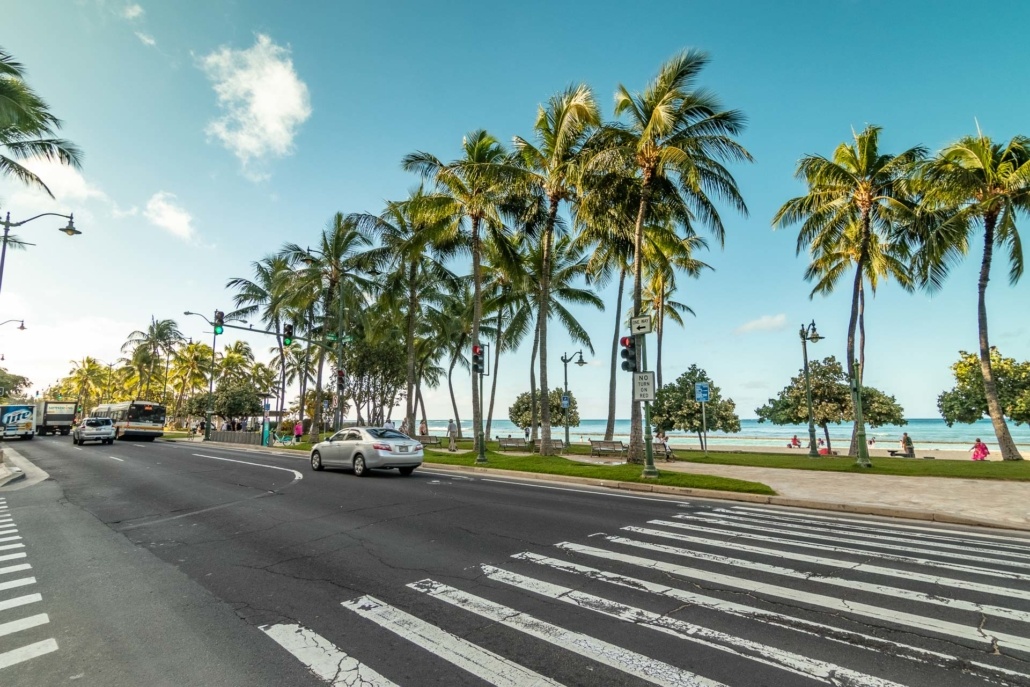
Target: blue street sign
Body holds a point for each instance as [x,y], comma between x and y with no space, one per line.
[267,405]
[565,401]
[702,392]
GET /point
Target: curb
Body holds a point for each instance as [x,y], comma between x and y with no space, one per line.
[811,504]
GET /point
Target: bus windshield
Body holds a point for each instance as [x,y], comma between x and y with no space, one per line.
[147,412]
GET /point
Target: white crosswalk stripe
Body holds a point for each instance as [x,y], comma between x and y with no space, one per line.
[323,658]
[16,629]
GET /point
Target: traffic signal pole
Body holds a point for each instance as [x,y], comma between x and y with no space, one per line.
[650,471]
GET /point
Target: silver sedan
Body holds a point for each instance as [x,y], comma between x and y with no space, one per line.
[366,448]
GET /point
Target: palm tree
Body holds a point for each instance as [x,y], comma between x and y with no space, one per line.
[469,192]
[658,304]
[160,337]
[87,377]
[236,361]
[191,367]
[553,169]
[676,139]
[854,205]
[976,183]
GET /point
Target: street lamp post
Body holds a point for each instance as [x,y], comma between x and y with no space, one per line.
[69,229]
[809,334]
[566,359]
[20,326]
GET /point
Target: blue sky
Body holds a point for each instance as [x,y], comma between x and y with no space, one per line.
[214,131]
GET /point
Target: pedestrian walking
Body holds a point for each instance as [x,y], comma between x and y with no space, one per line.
[526,432]
[452,436]
[423,428]
[907,448]
[979,450]
[298,432]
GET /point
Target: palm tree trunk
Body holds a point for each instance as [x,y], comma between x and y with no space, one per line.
[164,391]
[450,387]
[315,424]
[410,343]
[853,321]
[477,314]
[497,359]
[533,417]
[609,429]
[1001,430]
[636,429]
[861,332]
[660,337]
[545,299]
[826,432]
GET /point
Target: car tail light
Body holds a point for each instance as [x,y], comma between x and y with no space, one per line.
[379,446]
[417,447]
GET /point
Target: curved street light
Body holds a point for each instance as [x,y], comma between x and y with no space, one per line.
[68,229]
[566,359]
[809,334]
[20,326]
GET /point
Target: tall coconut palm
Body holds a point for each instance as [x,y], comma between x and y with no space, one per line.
[87,377]
[469,192]
[856,201]
[191,368]
[27,127]
[972,184]
[679,137]
[553,163]
[236,361]
[160,336]
[659,306]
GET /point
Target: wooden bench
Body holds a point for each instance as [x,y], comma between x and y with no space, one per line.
[428,440]
[600,448]
[512,443]
[557,445]
[659,451]
[898,453]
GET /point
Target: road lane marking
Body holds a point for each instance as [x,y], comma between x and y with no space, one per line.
[23,624]
[9,538]
[761,615]
[822,671]
[115,458]
[12,556]
[77,448]
[323,658]
[900,558]
[482,663]
[20,601]
[296,474]
[15,568]
[22,582]
[6,547]
[583,491]
[629,662]
[867,538]
[850,566]
[924,537]
[8,529]
[25,653]
[846,607]
[139,445]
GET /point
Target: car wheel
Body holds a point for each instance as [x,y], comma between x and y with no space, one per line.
[316,461]
[406,471]
[360,469]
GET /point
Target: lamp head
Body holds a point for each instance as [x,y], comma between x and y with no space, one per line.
[813,335]
[70,229]
[22,325]
[581,362]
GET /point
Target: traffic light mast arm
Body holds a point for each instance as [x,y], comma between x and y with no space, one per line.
[262,331]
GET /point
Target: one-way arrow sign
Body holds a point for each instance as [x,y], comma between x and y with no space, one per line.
[640,325]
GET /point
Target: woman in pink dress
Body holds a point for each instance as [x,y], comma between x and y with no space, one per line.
[980,451]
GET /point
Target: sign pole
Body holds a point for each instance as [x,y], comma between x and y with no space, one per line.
[650,470]
[704,425]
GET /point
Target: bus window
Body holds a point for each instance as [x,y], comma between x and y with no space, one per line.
[147,413]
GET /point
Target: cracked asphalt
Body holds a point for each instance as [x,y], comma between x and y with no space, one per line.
[168,568]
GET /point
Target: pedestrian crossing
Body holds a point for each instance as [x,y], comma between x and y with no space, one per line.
[712,597]
[16,618]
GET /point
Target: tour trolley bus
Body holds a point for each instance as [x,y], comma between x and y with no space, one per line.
[134,419]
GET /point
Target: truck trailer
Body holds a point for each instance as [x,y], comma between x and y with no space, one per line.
[17,420]
[54,416]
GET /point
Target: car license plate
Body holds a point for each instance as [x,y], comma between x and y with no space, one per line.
[403,449]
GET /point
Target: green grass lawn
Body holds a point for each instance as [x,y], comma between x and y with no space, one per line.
[914,467]
[622,473]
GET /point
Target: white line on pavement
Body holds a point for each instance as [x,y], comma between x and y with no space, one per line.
[296,474]
[838,605]
[77,448]
[19,601]
[9,538]
[629,662]
[809,627]
[9,658]
[12,556]
[323,658]
[482,663]
[778,658]
[850,566]
[17,583]
[584,491]
[115,458]
[6,547]
[23,624]
[8,529]
[15,568]
[957,567]
[139,445]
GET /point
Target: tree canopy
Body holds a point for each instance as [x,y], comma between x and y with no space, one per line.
[674,406]
[520,412]
[966,402]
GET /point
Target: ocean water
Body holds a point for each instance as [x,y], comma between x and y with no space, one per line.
[927,433]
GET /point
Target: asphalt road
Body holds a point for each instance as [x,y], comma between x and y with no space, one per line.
[184,564]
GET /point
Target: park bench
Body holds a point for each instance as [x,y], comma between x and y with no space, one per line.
[429,440]
[600,448]
[557,446]
[658,451]
[513,443]
[899,453]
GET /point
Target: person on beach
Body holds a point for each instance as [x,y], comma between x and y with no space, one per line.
[979,450]
[423,428]
[907,448]
[526,432]
[452,436]
[795,442]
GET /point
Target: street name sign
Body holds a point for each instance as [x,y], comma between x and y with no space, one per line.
[640,325]
[702,392]
[643,386]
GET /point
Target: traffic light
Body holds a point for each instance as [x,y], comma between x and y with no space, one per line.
[477,359]
[287,334]
[219,321]
[341,380]
[629,353]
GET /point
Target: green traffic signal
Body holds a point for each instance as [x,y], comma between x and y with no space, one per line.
[219,321]
[287,334]
[219,329]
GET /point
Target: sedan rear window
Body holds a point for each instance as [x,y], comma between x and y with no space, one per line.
[379,433]
[98,422]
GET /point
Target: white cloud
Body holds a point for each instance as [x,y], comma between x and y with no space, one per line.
[133,11]
[164,211]
[146,38]
[765,323]
[263,100]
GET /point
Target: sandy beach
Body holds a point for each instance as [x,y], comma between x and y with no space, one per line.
[874,452]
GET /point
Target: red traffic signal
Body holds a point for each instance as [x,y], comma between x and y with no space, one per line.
[477,359]
[341,379]
[629,353]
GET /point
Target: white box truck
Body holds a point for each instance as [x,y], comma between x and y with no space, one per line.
[54,416]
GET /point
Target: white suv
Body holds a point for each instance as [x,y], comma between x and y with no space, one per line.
[94,429]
